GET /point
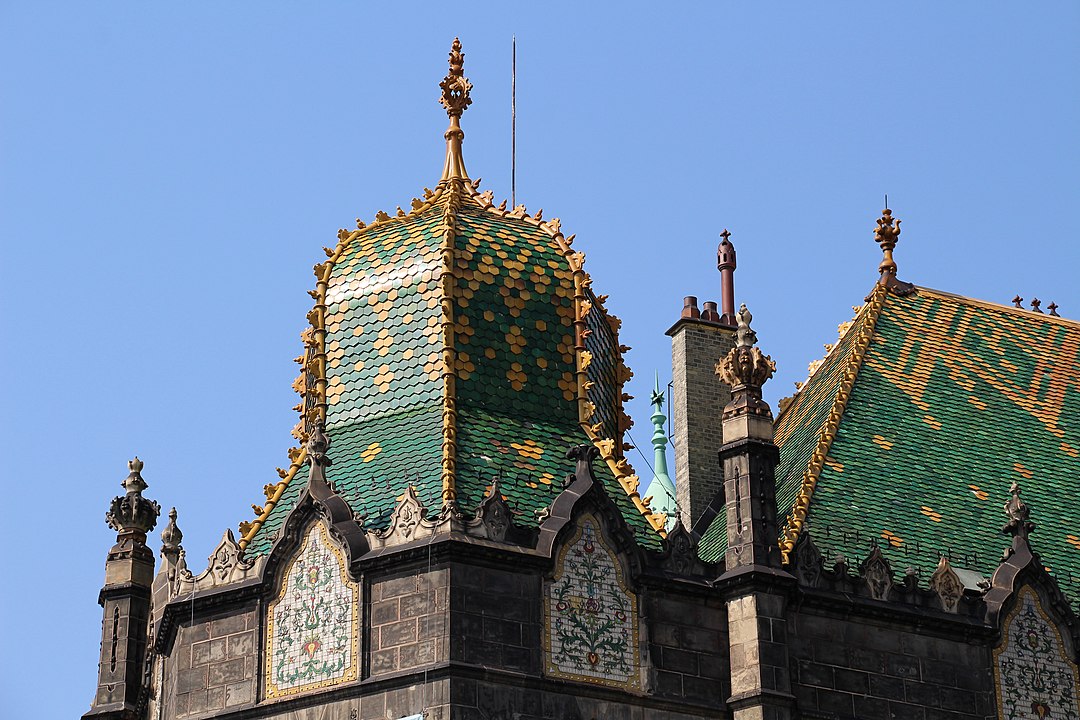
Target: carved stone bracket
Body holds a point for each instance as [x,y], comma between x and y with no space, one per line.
[946,584]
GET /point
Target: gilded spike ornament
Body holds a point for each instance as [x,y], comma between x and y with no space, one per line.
[455,86]
[455,98]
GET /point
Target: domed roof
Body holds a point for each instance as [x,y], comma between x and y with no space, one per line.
[453,345]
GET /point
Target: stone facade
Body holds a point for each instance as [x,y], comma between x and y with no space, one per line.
[452,627]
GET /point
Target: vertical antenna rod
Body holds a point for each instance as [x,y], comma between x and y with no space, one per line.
[513,121]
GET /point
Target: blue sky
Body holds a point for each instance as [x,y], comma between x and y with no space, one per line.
[170,171]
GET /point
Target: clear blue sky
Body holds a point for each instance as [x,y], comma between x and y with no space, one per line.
[170,171]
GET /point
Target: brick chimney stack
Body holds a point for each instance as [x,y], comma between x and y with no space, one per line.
[698,340]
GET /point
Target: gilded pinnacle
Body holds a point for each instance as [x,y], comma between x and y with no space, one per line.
[455,98]
[455,86]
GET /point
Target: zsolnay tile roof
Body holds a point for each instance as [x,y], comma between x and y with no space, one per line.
[451,359]
[912,429]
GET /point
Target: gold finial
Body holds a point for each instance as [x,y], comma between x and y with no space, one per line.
[886,236]
[455,86]
[455,98]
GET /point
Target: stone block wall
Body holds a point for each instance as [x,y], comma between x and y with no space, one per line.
[688,645]
[698,397]
[408,623]
[496,618]
[213,665]
[486,699]
[847,668]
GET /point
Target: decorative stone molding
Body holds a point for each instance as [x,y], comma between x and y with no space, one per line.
[681,552]
[946,584]
[226,565]
[877,574]
[809,564]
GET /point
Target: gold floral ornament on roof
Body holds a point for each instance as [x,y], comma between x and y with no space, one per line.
[886,235]
[455,98]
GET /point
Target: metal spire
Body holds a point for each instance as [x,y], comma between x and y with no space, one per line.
[661,489]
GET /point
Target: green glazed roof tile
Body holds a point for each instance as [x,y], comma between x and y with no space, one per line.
[954,400]
[515,386]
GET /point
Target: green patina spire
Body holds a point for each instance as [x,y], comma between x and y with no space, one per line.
[661,489]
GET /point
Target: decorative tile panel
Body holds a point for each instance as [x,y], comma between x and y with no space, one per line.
[1032,673]
[591,616]
[313,626]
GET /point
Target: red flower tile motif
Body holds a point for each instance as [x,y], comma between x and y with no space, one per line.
[591,616]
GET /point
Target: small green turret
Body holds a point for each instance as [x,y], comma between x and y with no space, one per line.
[661,489]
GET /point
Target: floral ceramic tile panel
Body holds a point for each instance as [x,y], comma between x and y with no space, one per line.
[313,625]
[591,631]
[1034,677]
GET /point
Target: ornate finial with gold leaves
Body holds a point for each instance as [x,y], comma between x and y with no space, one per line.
[455,98]
[886,235]
[455,86]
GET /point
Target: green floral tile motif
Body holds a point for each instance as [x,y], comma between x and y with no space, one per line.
[1033,675]
[591,616]
[313,626]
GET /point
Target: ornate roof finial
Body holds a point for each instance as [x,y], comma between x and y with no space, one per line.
[745,335]
[1018,302]
[1052,307]
[170,540]
[171,535]
[886,235]
[1019,513]
[1035,303]
[746,369]
[132,513]
[455,98]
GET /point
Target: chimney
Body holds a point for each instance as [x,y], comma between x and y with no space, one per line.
[698,340]
[725,263]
